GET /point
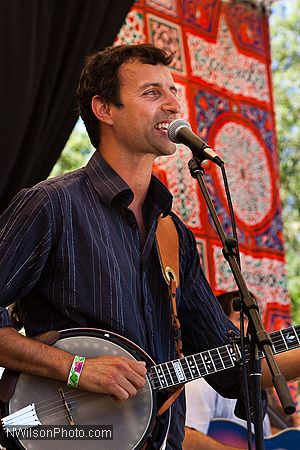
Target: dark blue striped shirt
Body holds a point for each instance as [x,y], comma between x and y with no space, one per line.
[70,251]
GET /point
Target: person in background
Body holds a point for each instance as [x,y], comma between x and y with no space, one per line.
[205,404]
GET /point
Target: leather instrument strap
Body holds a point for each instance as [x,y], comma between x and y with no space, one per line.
[168,249]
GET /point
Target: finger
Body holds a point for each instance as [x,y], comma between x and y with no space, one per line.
[141,368]
[122,380]
[120,395]
[129,387]
[124,391]
[136,379]
[138,366]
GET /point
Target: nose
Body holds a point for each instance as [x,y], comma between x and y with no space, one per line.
[171,103]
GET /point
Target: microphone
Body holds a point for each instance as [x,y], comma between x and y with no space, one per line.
[180,132]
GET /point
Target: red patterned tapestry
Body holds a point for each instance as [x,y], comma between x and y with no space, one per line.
[222,72]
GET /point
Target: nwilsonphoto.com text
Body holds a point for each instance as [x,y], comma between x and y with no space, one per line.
[64,432]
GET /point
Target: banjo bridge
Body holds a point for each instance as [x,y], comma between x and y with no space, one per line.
[66,406]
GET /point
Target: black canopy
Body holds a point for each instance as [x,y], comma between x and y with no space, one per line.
[43,45]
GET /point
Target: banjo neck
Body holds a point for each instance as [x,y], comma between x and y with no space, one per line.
[189,368]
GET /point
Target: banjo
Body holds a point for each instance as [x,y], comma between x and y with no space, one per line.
[47,404]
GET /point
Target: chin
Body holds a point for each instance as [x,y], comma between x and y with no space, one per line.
[168,150]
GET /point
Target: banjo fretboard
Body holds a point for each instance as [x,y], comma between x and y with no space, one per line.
[180,371]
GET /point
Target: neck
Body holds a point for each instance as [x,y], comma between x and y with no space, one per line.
[136,171]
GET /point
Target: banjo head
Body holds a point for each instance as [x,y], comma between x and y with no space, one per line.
[130,421]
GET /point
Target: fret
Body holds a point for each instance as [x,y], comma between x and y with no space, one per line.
[221,359]
[167,374]
[151,374]
[212,359]
[290,338]
[157,378]
[284,340]
[203,363]
[173,376]
[278,342]
[161,376]
[200,364]
[187,370]
[297,335]
[197,367]
[226,356]
[231,355]
[239,351]
[193,366]
[274,337]
[208,362]
[273,348]
[218,359]
[236,353]
[179,371]
[297,331]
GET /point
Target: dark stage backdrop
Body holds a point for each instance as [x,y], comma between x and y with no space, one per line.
[43,44]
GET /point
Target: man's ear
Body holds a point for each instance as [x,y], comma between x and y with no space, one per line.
[101,110]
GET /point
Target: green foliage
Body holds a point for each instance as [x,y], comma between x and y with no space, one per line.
[76,153]
[285,45]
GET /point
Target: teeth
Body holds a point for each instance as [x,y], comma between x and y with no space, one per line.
[163,125]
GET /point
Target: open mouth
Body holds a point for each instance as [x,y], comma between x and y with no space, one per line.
[162,126]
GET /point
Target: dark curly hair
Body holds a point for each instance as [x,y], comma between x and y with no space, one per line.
[100,76]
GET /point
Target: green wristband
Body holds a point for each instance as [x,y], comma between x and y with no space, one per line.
[75,371]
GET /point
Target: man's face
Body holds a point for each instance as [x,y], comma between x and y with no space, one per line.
[149,97]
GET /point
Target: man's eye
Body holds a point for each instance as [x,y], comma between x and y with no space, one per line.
[152,92]
[175,93]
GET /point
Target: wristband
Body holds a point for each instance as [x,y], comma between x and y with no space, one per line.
[75,371]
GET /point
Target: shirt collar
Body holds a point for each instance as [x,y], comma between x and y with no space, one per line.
[111,187]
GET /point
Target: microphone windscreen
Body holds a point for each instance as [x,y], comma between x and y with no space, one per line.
[174,127]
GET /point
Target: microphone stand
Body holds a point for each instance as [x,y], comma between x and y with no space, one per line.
[259,338]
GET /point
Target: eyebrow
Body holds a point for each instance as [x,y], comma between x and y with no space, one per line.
[146,85]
